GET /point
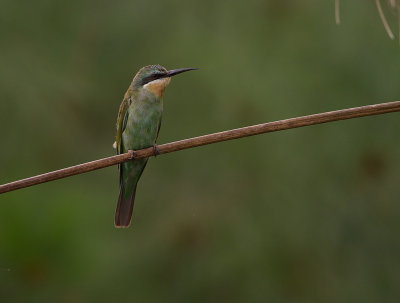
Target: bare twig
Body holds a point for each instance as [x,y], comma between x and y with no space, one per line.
[337,115]
[384,21]
[337,12]
[393,4]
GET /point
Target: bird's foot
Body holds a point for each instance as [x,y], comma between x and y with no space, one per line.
[155,150]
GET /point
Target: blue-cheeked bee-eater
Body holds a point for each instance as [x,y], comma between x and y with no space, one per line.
[138,124]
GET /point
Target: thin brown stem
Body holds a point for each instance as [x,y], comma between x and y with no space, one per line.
[337,12]
[337,115]
[384,21]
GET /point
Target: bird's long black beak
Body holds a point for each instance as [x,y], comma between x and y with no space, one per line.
[174,72]
[169,73]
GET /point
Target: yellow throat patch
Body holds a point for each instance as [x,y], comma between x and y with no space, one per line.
[158,86]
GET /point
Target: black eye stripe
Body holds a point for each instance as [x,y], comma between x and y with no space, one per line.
[152,78]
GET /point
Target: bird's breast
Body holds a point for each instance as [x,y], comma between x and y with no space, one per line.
[143,121]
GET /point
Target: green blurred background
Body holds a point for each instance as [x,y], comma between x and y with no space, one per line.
[305,215]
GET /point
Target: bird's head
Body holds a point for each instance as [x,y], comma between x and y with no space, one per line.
[155,78]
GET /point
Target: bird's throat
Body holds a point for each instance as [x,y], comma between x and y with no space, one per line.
[157,87]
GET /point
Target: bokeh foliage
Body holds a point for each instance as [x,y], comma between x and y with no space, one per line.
[303,215]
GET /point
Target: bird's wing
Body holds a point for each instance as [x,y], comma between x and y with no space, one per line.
[121,122]
[159,126]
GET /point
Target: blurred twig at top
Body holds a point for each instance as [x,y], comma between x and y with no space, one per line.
[337,12]
[393,4]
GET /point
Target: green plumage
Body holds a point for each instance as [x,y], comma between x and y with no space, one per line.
[138,124]
[137,128]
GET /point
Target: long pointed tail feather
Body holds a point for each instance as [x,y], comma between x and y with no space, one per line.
[129,175]
[123,214]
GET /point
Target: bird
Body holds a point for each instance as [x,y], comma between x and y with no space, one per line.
[138,125]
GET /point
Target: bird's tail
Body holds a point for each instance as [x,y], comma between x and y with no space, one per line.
[123,214]
[129,175]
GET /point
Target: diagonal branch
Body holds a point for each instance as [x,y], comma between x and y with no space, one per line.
[343,114]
